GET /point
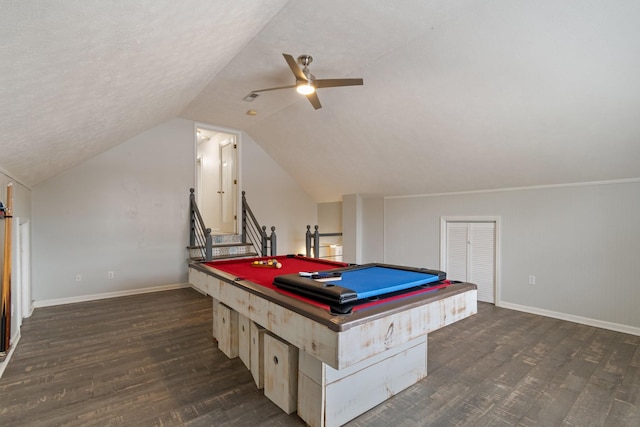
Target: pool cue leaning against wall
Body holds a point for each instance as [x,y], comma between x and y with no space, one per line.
[5,303]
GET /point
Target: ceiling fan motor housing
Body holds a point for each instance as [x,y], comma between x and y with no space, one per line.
[305,60]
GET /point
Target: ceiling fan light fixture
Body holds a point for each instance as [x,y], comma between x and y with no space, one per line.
[306,83]
[305,88]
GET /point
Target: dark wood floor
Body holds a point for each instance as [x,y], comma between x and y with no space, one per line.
[150,360]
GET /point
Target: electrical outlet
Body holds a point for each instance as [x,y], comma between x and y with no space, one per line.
[110,274]
[78,277]
[532,280]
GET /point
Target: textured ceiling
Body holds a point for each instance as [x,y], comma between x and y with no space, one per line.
[79,77]
[463,95]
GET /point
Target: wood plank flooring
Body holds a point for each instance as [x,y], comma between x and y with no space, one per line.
[149,360]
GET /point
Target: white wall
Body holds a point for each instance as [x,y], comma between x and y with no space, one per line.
[352,229]
[329,220]
[127,211]
[275,198]
[581,242]
[373,224]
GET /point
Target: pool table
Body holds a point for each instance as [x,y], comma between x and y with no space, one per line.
[348,363]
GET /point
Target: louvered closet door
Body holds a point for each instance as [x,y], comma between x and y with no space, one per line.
[471,255]
[457,256]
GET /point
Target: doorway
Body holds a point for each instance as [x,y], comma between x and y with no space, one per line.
[217,179]
[469,252]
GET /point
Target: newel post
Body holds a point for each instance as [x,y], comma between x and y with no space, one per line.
[273,239]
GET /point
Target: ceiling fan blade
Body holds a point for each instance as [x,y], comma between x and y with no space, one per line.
[273,88]
[321,83]
[314,100]
[294,67]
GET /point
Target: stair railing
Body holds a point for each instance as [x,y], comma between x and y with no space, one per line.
[313,239]
[263,243]
[199,236]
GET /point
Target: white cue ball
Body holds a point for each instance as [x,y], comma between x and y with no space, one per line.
[278,265]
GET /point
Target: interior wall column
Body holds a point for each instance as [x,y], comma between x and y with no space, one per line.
[352,228]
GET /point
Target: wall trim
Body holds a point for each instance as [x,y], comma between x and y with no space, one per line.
[626,329]
[14,343]
[533,187]
[93,297]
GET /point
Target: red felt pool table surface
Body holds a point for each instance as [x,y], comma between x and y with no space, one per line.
[264,275]
[291,264]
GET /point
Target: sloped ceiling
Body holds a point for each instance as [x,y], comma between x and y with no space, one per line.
[464,95]
[79,77]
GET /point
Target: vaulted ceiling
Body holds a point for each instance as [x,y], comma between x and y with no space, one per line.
[457,96]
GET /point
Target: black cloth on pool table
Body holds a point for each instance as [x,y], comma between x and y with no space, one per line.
[341,299]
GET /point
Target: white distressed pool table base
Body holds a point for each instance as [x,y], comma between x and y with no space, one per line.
[331,397]
[340,374]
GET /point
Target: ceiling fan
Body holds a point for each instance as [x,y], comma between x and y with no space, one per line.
[306,83]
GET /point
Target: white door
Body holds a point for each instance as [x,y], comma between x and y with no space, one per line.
[469,255]
[217,179]
[228,185]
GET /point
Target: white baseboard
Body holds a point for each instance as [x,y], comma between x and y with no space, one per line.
[84,298]
[30,312]
[14,343]
[632,330]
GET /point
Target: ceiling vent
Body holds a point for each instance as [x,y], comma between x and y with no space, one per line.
[251,97]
